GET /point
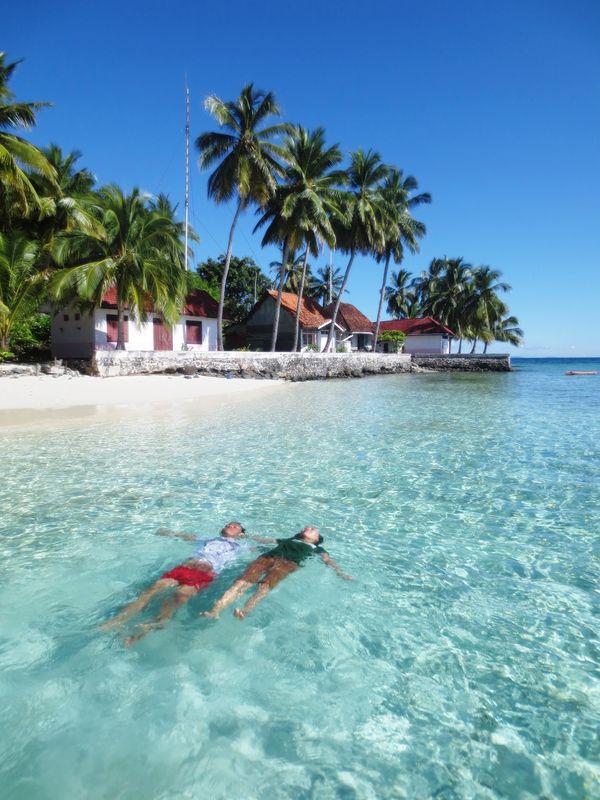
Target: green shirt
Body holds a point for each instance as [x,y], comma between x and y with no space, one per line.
[294,550]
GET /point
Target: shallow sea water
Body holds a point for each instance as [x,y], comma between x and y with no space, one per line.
[462,662]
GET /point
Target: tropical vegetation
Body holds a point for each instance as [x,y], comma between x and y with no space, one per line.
[65,240]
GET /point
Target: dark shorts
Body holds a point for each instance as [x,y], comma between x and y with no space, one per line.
[188,576]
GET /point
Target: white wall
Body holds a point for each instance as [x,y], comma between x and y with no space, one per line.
[426,343]
[78,338]
[72,337]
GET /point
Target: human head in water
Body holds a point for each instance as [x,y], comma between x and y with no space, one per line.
[233,530]
[310,534]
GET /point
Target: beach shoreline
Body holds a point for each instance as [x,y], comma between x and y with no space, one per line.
[48,393]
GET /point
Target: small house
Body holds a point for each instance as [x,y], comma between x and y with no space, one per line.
[77,334]
[358,330]
[423,335]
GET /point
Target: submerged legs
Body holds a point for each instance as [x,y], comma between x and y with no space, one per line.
[138,604]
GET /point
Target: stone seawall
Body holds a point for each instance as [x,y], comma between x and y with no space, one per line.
[476,362]
[289,366]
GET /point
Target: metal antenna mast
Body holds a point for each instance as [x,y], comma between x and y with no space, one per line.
[187,169]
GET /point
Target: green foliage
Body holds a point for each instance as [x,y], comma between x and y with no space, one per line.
[244,283]
[30,339]
[5,355]
[395,340]
[392,336]
[137,251]
[312,348]
[195,281]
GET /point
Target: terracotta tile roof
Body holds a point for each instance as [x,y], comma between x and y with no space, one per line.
[311,313]
[198,303]
[351,318]
[419,325]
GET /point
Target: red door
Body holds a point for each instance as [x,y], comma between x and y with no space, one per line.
[163,336]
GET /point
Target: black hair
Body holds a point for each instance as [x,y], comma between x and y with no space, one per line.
[301,536]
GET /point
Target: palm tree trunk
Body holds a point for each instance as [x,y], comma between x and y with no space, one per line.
[236,216]
[381,296]
[474,346]
[459,346]
[300,294]
[4,342]
[120,326]
[284,259]
[485,346]
[339,300]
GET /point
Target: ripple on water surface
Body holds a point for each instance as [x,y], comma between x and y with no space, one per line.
[462,662]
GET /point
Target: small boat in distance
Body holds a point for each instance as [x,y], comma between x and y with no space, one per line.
[581,372]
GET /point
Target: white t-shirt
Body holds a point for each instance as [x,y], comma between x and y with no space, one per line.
[220,551]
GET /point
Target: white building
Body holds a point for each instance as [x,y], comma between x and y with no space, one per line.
[423,335]
[77,334]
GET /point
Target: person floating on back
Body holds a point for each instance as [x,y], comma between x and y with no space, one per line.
[272,567]
[189,578]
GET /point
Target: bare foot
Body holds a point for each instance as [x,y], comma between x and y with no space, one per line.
[108,626]
[210,614]
[239,613]
[145,628]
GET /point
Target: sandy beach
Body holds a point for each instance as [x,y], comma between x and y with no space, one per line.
[45,392]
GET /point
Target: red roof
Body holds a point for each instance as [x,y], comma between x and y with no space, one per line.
[198,303]
[311,313]
[350,317]
[414,327]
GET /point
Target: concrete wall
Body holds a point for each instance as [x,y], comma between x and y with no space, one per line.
[494,362]
[290,366]
[433,343]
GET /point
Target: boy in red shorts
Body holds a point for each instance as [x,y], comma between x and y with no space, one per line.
[195,574]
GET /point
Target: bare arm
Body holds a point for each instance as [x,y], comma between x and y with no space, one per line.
[189,537]
[331,563]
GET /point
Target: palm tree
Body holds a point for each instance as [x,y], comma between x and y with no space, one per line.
[293,270]
[449,297]
[65,202]
[364,211]
[19,159]
[246,158]
[484,306]
[303,208]
[326,283]
[506,329]
[137,251]
[398,295]
[401,228]
[21,282]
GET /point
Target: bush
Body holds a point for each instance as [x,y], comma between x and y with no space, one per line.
[6,356]
[312,348]
[30,340]
[395,340]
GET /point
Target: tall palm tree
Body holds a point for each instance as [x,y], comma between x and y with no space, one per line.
[247,160]
[137,251]
[450,299]
[325,284]
[64,203]
[303,208]
[506,329]
[293,270]
[398,295]
[484,307]
[19,159]
[400,227]
[364,210]
[21,282]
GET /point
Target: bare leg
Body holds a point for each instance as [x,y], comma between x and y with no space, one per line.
[139,603]
[183,595]
[251,574]
[280,570]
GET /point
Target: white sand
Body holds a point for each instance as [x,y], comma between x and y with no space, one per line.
[45,392]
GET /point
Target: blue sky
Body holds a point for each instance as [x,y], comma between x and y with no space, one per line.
[493,106]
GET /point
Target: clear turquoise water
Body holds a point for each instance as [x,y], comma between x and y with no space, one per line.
[463,661]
